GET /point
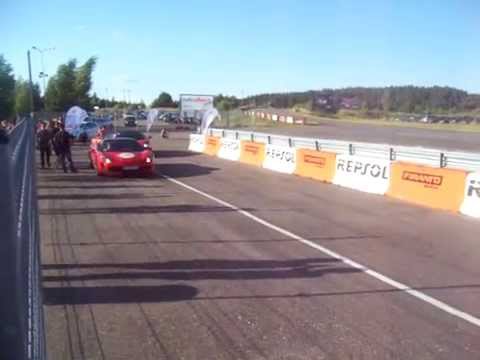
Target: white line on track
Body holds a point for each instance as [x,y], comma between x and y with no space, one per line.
[385,279]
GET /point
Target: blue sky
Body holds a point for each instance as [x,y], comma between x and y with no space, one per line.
[248,47]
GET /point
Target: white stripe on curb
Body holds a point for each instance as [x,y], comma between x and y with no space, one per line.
[385,279]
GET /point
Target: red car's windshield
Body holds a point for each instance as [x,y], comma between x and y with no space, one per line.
[131,134]
[122,145]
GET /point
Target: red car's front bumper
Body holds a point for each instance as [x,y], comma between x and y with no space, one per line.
[120,169]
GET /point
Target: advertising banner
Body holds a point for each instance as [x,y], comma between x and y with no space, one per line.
[318,165]
[362,173]
[252,153]
[471,202]
[194,106]
[197,143]
[280,158]
[229,149]
[212,144]
[438,188]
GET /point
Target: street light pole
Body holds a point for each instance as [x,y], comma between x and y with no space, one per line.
[30,83]
[42,74]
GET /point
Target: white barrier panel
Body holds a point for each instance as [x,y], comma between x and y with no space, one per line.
[274,117]
[197,143]
[362,173]
[289,119]
[280,158]
[471,203]
[229,149]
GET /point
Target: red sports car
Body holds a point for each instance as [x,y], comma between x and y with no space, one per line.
[120,156]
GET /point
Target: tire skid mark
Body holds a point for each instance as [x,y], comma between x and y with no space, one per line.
[76,324]
[154,333]
[54,234]
[74,307]
[218,334]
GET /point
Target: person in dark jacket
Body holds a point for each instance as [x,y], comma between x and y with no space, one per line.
[54,128]
[63,143]
[43,143]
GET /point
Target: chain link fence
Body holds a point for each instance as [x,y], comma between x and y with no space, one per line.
[21,309]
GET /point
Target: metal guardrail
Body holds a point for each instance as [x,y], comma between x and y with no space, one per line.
[420,155]
[21,312]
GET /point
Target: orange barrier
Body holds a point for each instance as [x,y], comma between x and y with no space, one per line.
[252,153]
[212,145]
[434,187]
[318,165]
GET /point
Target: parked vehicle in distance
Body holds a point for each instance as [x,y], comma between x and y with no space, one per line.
[121,156]
[105,121]
[130,121]
[141,115]
[85,131]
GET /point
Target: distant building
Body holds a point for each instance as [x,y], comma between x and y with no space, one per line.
[324,102]
[351,103]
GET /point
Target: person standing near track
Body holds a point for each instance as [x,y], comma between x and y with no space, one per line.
[54,128]
[63,144]
[43,143]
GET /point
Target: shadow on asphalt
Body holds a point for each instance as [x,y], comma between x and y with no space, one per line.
[89,178]
[183,170]
[117,294]
[208,242]
[206,270]
[98,196]
[141,210]
[107,186]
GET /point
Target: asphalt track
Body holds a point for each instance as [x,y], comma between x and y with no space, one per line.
[149,269]
[439,139]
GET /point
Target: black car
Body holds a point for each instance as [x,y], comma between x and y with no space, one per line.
[130,121]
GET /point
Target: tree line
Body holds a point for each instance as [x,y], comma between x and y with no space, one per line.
[411,99]
[70,85]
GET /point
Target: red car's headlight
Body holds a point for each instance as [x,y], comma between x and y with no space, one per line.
[148,160]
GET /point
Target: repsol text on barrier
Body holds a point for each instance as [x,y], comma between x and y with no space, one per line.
[471,199]
[197,143]
[229,149]
[363,168]
[362,173]
[212,145]
[279,158]
[424,185]
[318,165]
[252,153]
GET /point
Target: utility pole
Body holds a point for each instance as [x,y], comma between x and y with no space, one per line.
[42,75]
[31,84]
